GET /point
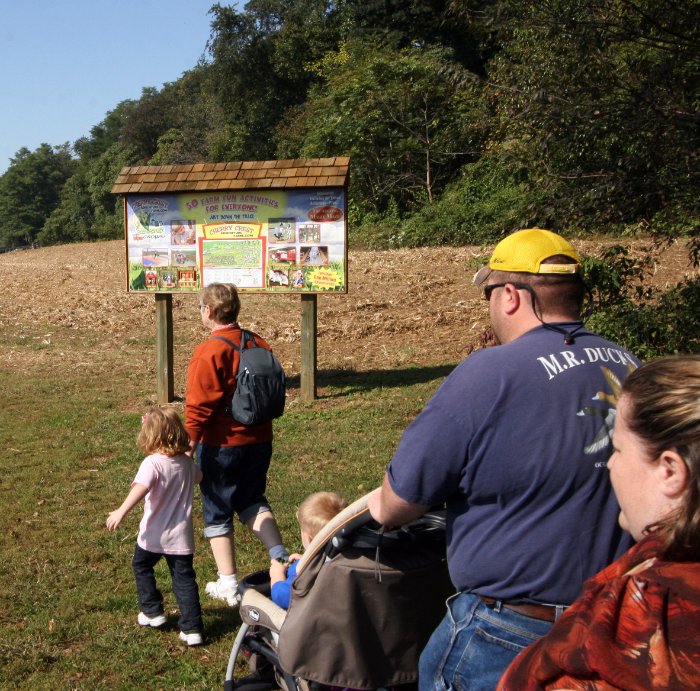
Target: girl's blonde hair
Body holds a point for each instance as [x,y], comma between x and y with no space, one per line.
[317,509]
[163,431]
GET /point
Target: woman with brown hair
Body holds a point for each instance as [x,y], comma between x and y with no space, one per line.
[234,457]
[637,624]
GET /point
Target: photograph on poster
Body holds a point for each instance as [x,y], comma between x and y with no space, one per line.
[183,232]
[183,257]
[167,279]
[154,257]
[310,232]
[315,255]
[277,277]
[282,254]
[281,229]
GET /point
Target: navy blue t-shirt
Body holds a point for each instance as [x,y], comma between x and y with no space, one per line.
[515,442]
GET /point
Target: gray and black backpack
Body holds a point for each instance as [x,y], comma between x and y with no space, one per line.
[260,383]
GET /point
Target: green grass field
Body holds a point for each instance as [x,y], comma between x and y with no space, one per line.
[67,603]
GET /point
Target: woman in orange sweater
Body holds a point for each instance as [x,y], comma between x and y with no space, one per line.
[234,458]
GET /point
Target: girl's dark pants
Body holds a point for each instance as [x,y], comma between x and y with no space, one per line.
[184,587]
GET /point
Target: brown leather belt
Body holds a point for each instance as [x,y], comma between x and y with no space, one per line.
[543,612]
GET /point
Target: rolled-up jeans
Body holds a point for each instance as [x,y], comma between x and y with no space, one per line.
[474,644]
[234,481]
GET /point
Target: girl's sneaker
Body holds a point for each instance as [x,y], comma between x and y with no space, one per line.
[155,620]
[192,638]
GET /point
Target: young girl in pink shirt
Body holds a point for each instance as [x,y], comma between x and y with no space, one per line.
[165,480]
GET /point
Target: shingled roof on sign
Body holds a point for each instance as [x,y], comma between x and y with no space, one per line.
[198,177]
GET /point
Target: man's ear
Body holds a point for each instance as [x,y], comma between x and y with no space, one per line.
[512,299]
[673,474]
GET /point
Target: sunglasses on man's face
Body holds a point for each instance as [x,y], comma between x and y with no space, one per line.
[492,286]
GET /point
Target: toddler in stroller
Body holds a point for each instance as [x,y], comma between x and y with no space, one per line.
[363,604]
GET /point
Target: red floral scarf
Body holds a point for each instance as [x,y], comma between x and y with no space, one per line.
[636,626]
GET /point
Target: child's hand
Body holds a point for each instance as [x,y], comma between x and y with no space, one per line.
[294,557]
[137,493]
[114,519]
[278,572]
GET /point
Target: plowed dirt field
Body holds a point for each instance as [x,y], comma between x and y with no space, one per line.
[66,307]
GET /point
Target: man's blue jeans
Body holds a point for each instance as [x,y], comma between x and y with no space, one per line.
[473,645]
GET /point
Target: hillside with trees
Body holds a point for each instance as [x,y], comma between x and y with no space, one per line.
[464,119]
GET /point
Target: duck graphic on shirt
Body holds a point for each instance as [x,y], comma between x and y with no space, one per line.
[606,411]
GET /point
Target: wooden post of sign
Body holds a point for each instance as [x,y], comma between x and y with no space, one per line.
[307,387]
[165,385]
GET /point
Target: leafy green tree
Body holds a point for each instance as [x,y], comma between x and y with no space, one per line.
[104,134]
[108,208]
[72,220]
[88,210]
[29,192]
[145,120]
[597,101]
[483,203]
[398,24]
[397,114]
[259,69]
[651,322]
[139,124]
[197,124]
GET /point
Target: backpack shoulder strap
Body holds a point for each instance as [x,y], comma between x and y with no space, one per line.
[246,337]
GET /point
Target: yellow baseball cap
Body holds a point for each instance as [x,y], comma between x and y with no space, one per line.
[524,252]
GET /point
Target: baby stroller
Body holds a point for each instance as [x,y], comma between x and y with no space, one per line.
[363,605]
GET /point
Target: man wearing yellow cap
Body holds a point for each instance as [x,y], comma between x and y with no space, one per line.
[515,444]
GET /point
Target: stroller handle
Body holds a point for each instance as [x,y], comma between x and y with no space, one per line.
[355,516]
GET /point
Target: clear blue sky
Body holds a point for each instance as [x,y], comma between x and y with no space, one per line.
[65,63]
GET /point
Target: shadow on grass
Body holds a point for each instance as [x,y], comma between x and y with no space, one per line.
[352,381]
[221,622]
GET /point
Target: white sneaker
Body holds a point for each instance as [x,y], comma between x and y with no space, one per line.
[219,591]
[155,621]
[194,638]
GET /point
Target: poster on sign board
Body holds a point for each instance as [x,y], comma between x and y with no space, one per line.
[292,240]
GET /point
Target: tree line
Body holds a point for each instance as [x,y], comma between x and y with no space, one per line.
[465,119]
